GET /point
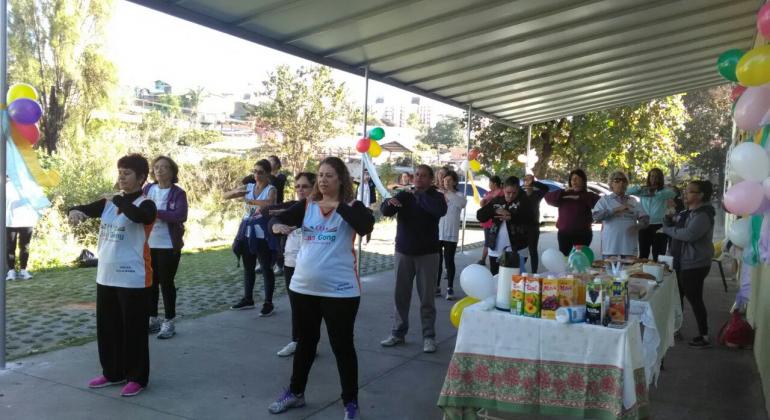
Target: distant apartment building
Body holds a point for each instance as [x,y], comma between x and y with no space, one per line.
[397,114]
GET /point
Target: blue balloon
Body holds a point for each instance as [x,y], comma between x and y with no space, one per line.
[25,111]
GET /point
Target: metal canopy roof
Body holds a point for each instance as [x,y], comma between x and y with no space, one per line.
[517,61]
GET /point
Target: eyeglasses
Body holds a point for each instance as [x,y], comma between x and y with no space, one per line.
[619,180]
[302,186]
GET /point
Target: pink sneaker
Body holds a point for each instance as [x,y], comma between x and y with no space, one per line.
[102,381]
[131,389]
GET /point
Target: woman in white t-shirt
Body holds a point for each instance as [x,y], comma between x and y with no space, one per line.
[166,241]
[621,216]
[20,220]
[251,242]
[123,277]
[303,185]
[449,231]
[325,285]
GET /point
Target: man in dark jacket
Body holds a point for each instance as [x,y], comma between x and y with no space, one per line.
[418,212]
[513,218]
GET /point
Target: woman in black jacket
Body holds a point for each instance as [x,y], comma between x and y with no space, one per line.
[512,214]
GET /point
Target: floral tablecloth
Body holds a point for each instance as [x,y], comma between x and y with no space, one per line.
[661,315]
[516,364]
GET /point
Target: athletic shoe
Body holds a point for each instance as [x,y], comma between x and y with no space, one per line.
[258,270]
[392,341]
[481,262]
[286,401]
[11,275]
[131,389]
[102,381]
[288,350]
[450,294]
[154,327]
[351,411]
[700,342]
[429,345]
[267,310]
[243,304]
[24,275]
[167,329]
[278,271]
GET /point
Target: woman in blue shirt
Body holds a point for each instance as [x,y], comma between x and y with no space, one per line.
[654,197]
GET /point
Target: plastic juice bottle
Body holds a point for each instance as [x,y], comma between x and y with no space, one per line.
[595,302]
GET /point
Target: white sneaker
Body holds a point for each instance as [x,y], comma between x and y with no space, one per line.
[11,275]
[24,275]
[288,350]
[167,329]
[429,345]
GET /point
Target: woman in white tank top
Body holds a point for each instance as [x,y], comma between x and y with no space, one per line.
[325,285]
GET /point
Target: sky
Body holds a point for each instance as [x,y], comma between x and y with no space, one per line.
[147,45]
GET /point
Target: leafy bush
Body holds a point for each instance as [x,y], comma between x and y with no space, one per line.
[197,137]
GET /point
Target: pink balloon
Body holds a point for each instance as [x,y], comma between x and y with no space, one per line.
[763,20]
[764,207]
[737,92]
[29,131]
[766,187]
[751,107]
[744,197]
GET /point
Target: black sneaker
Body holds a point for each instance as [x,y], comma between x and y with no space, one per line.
[699,343]
[481,262]
[267,309]
[243,304]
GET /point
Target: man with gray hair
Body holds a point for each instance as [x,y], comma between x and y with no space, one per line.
[418,212]
[621,216]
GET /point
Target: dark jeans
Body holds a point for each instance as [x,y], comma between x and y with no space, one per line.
[121,333]
[278,253]
[340,317]
[164,265]
[650,238]
[288,273]
[265,257]
[446,255]
[533,238]
[691,287]
[23,235]
[569,239]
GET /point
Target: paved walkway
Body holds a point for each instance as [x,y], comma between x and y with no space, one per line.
[223,366]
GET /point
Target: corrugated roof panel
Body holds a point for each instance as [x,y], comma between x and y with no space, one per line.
[515,60]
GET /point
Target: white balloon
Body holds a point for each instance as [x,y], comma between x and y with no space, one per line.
[554,260]
[464,166]
[476,281]
[740,232]
[750,161]
[733,176]
[487,304]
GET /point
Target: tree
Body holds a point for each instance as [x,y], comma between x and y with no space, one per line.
[306,106]
[446,133]
[55,45]
[192,100]
[413,121]
[707,136]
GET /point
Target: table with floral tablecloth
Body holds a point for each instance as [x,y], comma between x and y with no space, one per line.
[516,364]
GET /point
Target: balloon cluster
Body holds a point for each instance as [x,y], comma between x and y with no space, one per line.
[750,173]
[752,71]
[472,164]
[369,144]
[24,112]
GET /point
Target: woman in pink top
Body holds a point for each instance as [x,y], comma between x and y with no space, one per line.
[575,204]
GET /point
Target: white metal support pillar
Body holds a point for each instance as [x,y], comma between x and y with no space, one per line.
[361,184]
[465,175]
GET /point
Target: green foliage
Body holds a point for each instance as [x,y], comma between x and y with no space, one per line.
[198,137]
[53,242]
[55,45]
[446,133]
[304,106]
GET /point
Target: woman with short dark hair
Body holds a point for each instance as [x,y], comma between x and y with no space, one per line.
[575,204]
[325,285]
[692,233]
[123,277]
[166,241]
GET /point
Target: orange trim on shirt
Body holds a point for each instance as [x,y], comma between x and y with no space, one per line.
[147,256]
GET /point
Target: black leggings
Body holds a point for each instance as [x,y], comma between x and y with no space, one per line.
[567,240]
[288,273]
[121,333]
[691,287]
[446,255]
[164,265]
[650,238]
[265,257]
[340,317]
[23,235]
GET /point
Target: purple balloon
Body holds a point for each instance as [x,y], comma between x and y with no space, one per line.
[25,111]
[744,197]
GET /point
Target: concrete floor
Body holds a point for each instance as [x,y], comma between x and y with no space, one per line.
[224,366]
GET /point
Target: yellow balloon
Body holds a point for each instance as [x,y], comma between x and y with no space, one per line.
[457,310]
[375,149]
[21,90]
[754,67]
[475,165]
